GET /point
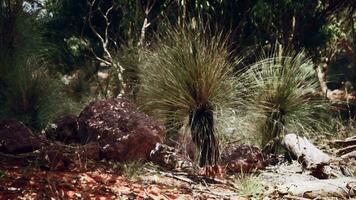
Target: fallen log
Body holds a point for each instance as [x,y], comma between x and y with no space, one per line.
[340,188]
[305,152]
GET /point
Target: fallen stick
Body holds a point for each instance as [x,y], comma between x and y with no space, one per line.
[346,150]
[349,155]
[347,142]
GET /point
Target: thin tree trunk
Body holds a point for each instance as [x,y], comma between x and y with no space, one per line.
[321,73]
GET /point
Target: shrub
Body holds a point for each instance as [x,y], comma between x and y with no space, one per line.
[283,97]
[187,80]
[31,96]
[27,92]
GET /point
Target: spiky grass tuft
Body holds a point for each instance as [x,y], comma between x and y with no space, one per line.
[187,81]
[284,88]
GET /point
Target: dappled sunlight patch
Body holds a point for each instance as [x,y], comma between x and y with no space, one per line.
[95,184]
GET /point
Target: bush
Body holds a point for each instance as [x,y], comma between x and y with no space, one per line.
[283,97]
[27,92]
[187,80]
[31,96]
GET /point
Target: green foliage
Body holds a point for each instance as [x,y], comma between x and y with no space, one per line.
[31,96]
[249,186]
[28,93]
[188,80]
[283,87]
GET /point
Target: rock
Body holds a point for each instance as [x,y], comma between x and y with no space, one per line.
[65,130]
[170,158]
[124,133]
[243,158]
[16,138]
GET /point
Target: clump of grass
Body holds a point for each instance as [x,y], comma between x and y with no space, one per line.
[32,96]
[27,92]
[187,80]
[249,186]
[283,97]
[132,170]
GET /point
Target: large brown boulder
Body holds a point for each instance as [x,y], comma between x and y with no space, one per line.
[123,132]
[243,158]
[16,138]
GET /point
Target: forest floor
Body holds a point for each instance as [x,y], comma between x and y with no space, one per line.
[111,180]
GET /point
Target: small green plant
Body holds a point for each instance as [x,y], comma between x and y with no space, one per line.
[187,80]
[132,170]
[249,186]
[283,97]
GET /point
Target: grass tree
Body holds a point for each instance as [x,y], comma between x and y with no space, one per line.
[283,96]
[187,80]
[27,92]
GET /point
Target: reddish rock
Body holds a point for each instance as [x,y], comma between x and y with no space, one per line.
[16,138]
[170,158]
[243,158]
[65,130]
[123,132]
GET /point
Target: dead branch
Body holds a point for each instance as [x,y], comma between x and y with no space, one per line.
[345,150]
[349,155]
[343,143]
[104,39]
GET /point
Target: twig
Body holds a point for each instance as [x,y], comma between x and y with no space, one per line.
[172,176]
